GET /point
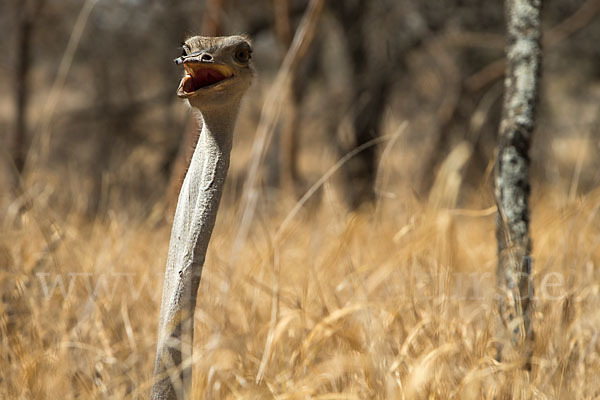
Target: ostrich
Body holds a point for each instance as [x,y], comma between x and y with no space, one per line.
[218,71]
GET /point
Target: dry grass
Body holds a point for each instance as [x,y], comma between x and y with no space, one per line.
[391,304]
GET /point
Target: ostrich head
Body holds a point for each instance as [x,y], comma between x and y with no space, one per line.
[218,70]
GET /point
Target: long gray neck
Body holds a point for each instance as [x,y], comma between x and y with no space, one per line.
[193,224]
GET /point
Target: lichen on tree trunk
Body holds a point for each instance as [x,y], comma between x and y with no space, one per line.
[512,172]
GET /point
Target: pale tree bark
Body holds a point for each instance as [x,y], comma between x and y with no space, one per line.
[512,187]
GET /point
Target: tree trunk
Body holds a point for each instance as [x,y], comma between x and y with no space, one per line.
[371,87]
[512,175]
[27,13]
[212,24]
[288,140]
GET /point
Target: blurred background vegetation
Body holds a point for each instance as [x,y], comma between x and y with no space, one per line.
[89,118]
[94,144]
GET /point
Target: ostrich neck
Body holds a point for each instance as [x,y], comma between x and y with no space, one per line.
[193,224]
[200,193]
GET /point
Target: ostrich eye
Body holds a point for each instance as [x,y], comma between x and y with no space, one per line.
[243,55]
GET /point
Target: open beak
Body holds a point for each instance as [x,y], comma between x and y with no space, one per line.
[202,75]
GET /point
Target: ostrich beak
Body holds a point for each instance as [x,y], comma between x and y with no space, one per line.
[202,75]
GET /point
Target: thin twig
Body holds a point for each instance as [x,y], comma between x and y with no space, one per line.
[61,77]
[270,115]
[312,190]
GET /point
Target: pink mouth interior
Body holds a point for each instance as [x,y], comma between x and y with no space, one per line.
[200,78]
